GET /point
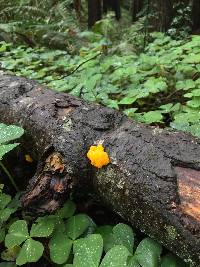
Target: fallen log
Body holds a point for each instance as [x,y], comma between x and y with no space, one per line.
[153,180]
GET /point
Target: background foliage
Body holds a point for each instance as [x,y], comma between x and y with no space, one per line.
[150,76]
[159,86]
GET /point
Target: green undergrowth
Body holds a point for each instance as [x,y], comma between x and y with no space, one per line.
[70,239]
[160,86]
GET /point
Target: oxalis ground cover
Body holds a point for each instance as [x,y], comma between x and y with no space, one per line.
[159,86]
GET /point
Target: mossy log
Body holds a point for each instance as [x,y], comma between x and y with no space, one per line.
[153,180]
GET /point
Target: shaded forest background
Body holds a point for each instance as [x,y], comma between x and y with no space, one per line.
[140,57]
[34,21]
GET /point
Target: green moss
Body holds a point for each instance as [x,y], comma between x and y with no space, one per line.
[171,231]
[107,172]
[67,125]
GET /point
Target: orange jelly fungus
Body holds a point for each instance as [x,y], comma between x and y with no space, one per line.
[98,156]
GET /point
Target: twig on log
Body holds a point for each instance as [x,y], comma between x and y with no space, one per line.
[81,64]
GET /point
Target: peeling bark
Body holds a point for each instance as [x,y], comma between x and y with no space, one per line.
[153,178]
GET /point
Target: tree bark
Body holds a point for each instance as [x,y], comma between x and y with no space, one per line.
[163,14]
[196,16]
[113,5]
[153,180]
[94,12]
[137,6]
[77,7]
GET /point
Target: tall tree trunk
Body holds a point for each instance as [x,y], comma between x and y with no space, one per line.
[113,5]
[153,179]
[77,7]
[163,14]
[94,12]
[196,16]
[137,6]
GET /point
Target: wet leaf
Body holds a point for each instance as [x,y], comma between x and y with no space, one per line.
[76,225]
[116,257]
[31,251]
[60,247]
[17,233]
[10,254]
[9,133]
[124,236]
[4,149]
[67,210]
[88,251]
[148,253]
[43,227]
[4,200]
[5,214]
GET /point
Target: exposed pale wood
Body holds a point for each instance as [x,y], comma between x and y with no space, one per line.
[189,191]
